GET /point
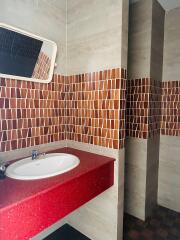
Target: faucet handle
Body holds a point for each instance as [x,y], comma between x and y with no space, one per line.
[2,167]
[35,153]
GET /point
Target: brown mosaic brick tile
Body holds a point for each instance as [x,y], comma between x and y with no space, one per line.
[96,105]
[85,107]
[143,113]
[170,121]
[153,106]
[31,113]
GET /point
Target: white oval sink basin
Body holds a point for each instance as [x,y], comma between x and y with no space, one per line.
[46,166]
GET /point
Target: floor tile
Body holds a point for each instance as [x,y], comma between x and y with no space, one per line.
[163,225]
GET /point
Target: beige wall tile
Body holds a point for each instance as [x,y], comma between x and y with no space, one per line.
[152,173]
[136,152]
[171,70]
[136,207]
[98,42]
[169,173]
[157,44]
[135,177]
[140,39]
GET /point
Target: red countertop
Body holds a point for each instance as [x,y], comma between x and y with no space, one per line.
[28,207]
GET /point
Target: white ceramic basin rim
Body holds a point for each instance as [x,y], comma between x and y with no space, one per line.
[46,166]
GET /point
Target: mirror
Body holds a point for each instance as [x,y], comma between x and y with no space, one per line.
[25,56]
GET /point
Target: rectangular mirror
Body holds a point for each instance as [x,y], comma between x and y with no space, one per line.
[25,56]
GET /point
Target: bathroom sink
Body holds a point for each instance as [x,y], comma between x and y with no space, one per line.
[45,166]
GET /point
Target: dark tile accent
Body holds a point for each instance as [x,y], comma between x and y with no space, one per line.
[66,232]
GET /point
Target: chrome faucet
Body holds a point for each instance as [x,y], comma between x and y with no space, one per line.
[3,166]
[36,154]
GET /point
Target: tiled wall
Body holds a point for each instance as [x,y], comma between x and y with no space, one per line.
[170,123]
[31,113]
[96,108]
[146,35]
[88,108]
[89,46]
[169,164]
[143,108]
[152,106]
[93,45]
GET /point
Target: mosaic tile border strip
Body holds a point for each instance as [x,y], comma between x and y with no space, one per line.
[87,108]
[143,113]
[170,121]
[96,104]
[36,113]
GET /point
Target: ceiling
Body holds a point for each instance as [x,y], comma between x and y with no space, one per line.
[166,4]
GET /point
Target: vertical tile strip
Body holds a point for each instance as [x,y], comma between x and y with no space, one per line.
[170,121]
[143,108]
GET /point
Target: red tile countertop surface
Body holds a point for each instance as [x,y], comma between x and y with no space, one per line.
[28,207]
